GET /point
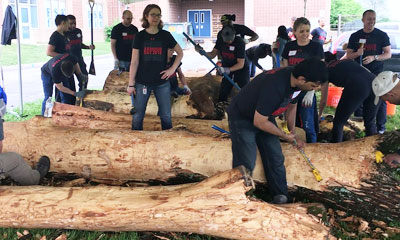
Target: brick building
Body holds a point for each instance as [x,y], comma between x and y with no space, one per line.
[263,16]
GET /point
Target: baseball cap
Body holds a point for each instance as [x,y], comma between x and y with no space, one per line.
[384,83]
[228,33]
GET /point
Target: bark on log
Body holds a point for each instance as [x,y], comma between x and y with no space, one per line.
[74,116]
[217,206]
[199,104]
[126,154]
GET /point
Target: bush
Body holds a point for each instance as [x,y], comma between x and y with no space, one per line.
[108,29]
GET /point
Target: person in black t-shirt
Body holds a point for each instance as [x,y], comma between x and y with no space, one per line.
[294,53]
[173,79]
[319,34]
[234,62]
[148,71]
[255,53]
[74,36]
[58,71]
[240,30]
[278,46]
[357,83]
[122,37]
[58,43]
[251,117]
[370,47]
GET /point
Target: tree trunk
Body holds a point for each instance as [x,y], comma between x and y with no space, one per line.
[74,116]
[217,206]
[199,104]
[141,155]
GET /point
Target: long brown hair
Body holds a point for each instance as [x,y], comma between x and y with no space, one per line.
[146,11]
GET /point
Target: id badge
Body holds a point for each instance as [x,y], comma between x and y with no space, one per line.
[144,90]
[292,53]
[124,34]
[231,48]
[78,35]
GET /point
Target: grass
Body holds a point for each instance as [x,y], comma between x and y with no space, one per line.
[37,53]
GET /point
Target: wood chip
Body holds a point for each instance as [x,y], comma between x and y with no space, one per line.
[341,213]
[363,226]
[75,183]
[348,219]
[379,223]
[62,237]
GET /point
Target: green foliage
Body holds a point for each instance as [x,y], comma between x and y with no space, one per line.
[31,109]
[108,29]
[344,7]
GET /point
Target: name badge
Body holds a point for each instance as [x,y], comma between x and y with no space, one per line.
[231,48]
[78,35]
[124,34]
[292,53]
[362,40]
[295,94]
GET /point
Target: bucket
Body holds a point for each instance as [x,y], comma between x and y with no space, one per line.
[334,94]
[390,109]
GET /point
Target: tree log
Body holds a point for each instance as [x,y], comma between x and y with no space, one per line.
[217,206]
[74,116]
[141,155]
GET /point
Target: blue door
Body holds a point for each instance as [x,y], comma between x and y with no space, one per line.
[201,22]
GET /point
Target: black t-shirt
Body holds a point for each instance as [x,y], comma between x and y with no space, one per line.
[125,37]
[153,50]
[231,52]
[296,54]
[342,71]
[241,30]
[75,42]
[269,93]
[53,67]
[169,64]
[60,42]
[257,52]
[375,42]
[319,35]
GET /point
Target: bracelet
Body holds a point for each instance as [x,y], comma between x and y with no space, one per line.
[131,86]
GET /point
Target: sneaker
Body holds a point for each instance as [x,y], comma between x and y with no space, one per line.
[381,131]
[133,111]
[174,94]
[280,199]
[43,166]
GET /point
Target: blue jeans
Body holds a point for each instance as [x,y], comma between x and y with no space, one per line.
[381,116]
[307,118]
[163,96]
[124,66]
[245,139]
[47,89]
[252,69]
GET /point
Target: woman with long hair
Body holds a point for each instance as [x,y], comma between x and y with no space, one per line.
[148,71]
[277,47]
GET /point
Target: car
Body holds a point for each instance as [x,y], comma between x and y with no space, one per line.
[392,64]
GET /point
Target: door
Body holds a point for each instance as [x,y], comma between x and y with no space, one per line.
[201,22]
[24,17]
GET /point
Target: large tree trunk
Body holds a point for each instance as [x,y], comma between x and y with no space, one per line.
[217,206]
[199,104]
[74,116]
[126,154]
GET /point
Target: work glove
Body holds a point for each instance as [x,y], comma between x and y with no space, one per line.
[80,94]
[116,64]
[223,70]
[246,41]
[3,108]
[308,99]
[200,49]
[82,78]
[186,90]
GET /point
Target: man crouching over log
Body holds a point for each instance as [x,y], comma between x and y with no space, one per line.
[387,87]
[252,113]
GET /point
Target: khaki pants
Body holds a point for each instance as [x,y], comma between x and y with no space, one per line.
[13,165]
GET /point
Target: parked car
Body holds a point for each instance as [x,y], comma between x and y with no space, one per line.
[392,64]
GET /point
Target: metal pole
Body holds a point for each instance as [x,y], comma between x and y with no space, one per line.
[19,61]
[339,23]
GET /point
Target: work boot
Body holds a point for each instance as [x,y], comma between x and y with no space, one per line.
[43,166]
[279,199]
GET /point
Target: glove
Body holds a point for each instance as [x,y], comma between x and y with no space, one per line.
[116,64]
[186,90]
[200,49]
[308,99]
[82,78]
[246,41]
[223,70]
[80,94]
[3,108]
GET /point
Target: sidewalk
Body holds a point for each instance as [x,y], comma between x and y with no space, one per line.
[32,89]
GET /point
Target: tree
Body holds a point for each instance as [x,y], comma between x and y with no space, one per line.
[344,7]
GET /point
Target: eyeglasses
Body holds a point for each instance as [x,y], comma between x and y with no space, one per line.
[155,15]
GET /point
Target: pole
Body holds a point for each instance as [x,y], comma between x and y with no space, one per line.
[19,61]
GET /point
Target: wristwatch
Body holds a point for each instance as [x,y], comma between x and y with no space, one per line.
[376,57]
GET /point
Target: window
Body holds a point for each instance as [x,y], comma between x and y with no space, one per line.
[97,16]
[28,12]
[53,8]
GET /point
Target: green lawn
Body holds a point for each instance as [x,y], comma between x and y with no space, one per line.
[37,53]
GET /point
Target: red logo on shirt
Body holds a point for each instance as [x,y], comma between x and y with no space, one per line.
[295,60]
[60,59]
[228,55]
[152,51]
[370,47]
[128,37]
[75,42]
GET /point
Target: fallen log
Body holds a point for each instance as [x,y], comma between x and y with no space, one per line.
[73,116]
[217,206]
[141,155]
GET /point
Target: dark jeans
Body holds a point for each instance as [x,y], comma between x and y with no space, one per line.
[245,140]
[307,118]
[124,66]
[48,85]
[82,65]
[381,116]
[252,69]
[357,91]
[163,96]
[241,77]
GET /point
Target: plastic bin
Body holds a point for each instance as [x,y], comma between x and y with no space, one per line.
[334,95]
[390,109]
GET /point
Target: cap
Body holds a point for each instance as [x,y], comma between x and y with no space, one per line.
[228,33]
[384,83]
